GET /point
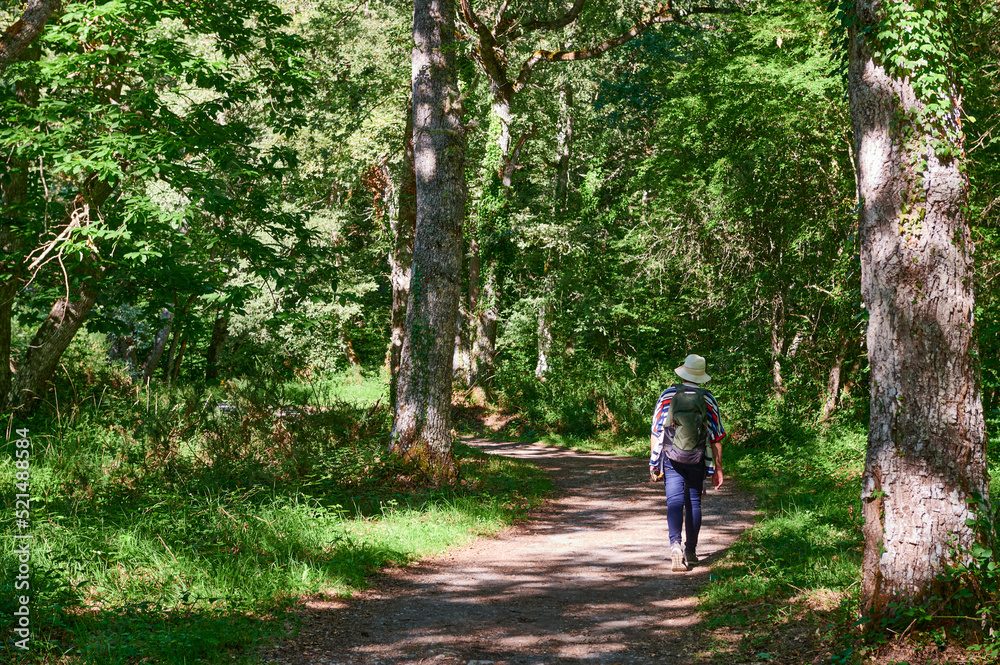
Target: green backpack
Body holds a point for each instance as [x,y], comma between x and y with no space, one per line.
[686,426]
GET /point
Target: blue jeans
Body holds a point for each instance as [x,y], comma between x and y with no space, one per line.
[683,484]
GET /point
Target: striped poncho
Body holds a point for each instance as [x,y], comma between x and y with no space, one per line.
[716,432]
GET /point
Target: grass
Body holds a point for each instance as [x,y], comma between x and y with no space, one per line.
[790,584]
[353,386]
[173,533]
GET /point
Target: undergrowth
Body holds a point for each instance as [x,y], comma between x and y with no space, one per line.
[179,525]
[789,585]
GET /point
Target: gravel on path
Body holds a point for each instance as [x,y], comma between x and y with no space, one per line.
[587,580]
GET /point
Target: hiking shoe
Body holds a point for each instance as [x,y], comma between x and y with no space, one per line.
[691,559]
[677,558]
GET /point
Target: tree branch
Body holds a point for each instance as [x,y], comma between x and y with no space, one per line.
[664,15]
[511,165]
[472,20]
[489,57]
[500,15]
[558,23]
[18,37]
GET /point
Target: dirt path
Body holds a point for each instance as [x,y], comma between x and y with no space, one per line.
[586,581]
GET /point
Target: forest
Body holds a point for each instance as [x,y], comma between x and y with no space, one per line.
[270,269]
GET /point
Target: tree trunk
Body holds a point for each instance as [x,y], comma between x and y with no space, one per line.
[462,361]
[159,345]
[170,354]
[833,383]
[220,333]
[502,112]
[850,380]
[564,148]
[926,449]
[484,342]
[544,327]
[401,258]
[544,339]
[14,191]
[66,315]
[50,341]
[345,338]
[178,336]
[422,429]
[176,371]
[777,348]
[19,37]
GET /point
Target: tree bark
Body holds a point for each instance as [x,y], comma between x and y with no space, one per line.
[564,148]
[66,315]
[14,190]
[345,338]
[47,346]
[422,429]
[17,38]
[401,258]
[220,333]
[833,383]
[486,318]
[176,371]
[926,448]
[777,349]
[159,345]
[544,339]
[544,332]
[174,338]
[462,361]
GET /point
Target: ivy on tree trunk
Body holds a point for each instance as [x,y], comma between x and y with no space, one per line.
[926,449]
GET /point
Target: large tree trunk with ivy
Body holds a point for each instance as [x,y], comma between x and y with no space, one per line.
[421,432]
[926,453]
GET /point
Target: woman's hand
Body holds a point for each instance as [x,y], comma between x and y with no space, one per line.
[717,478]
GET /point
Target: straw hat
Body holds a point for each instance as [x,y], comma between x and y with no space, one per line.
[693,369]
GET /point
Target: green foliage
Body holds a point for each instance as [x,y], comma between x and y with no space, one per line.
[915,41]
[712,213]
[583,397]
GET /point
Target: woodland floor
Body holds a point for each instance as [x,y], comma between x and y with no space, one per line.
[585,581]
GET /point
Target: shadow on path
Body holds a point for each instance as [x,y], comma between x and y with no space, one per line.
[586,581]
